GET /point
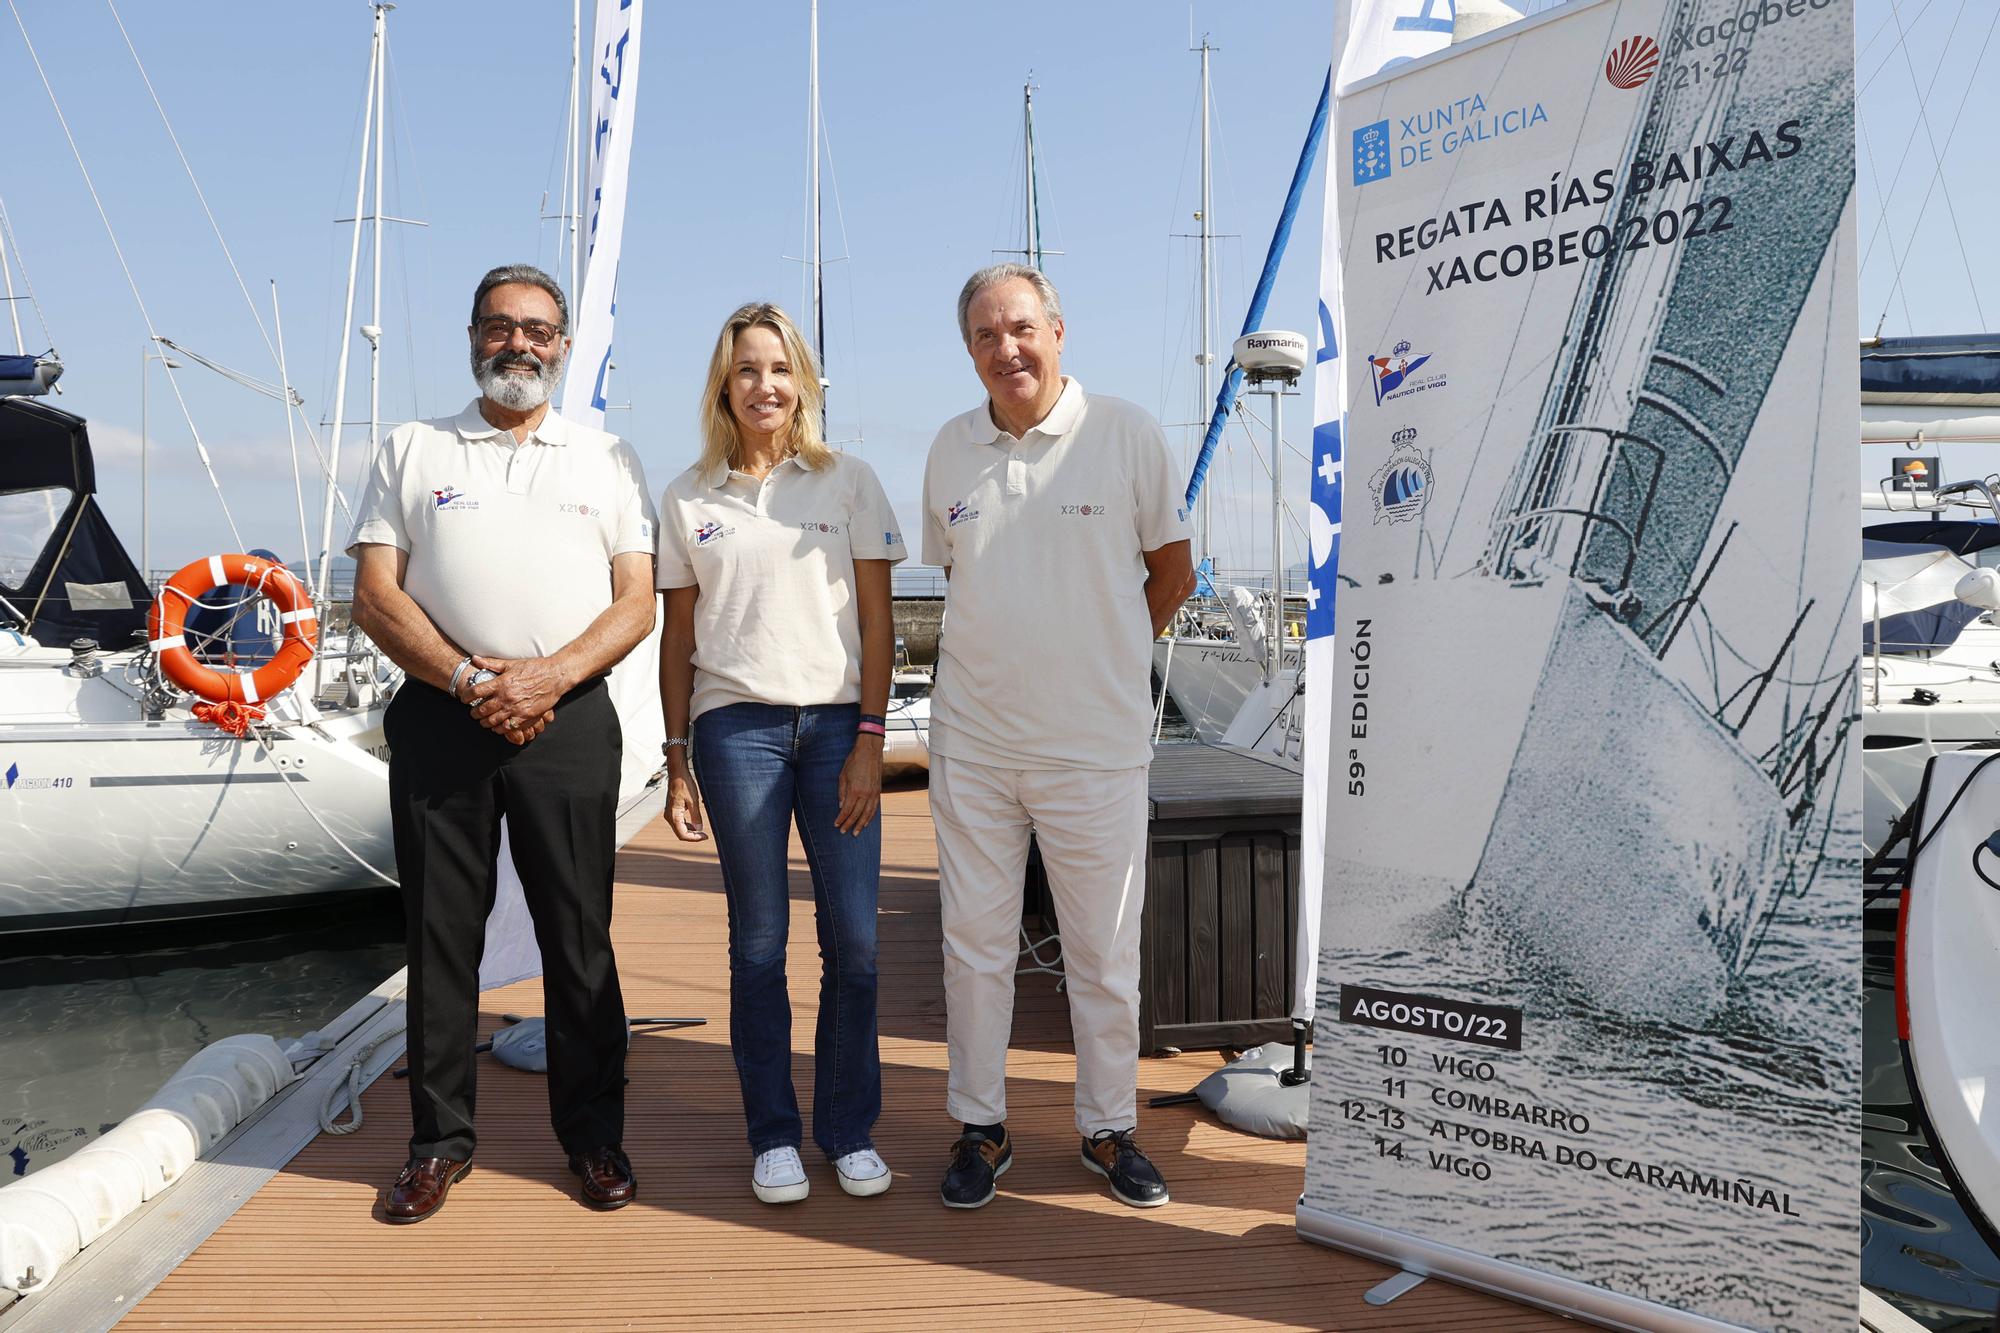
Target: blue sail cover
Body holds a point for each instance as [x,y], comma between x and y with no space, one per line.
[1966,537]
[17,368]
[1907,591]
[43,448]
[1956,367]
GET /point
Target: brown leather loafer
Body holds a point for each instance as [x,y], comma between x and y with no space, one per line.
[421,1186]
[607,1176]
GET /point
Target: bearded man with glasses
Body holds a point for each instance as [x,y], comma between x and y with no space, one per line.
[504,560]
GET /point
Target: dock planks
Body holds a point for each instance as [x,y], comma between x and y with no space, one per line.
[514,1248]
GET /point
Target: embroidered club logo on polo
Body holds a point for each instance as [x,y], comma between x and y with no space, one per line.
[710,532]
[453,499]
[959,512]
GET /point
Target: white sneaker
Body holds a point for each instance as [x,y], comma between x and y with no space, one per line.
[862,1173]
[779,1176]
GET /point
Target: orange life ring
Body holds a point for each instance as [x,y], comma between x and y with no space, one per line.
[167,621]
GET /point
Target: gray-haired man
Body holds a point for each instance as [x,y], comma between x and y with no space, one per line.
[507,540]
[1058,520]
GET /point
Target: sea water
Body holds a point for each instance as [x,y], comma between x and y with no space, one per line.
[93,1022]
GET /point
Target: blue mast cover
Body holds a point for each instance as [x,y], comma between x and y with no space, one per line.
[1225,399]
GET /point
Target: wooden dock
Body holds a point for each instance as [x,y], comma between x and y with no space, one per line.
[513,1248]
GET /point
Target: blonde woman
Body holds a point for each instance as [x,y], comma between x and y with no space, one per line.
[774,562]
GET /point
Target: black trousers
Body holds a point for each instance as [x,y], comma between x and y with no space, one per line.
[450,781]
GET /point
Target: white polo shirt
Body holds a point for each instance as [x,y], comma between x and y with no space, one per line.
[1046,657]
[510,544]
[775,620]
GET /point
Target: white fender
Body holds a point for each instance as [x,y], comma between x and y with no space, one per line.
[48,1217]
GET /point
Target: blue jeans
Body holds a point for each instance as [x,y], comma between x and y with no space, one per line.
[760,768]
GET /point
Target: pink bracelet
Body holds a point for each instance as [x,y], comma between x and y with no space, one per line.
[871,729]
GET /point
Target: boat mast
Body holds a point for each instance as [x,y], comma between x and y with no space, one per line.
[1207,357]
[1032,246]
[1276,661]
[572,150]
[372,330]
[13,307]
[347,314]
[814,255]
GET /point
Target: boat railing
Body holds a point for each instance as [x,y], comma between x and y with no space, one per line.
[1875,671]
[1532,537]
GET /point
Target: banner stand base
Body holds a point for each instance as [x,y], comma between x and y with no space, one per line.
[1528,1286]
[1384,1292]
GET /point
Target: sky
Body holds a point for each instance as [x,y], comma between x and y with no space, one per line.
[922,102]
[923,109]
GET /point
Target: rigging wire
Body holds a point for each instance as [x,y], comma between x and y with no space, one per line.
[8,238]
[1904,161]
[294,402]
[1890,54]
[1895,263]
[187,166]
[1045,204]
[845,256]
[1169,357]
[277,393]
[400,142]
[152,331]
[1937,177]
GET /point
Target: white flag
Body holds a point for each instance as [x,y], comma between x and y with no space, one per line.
[614,93]
[1369,36]
[511,953]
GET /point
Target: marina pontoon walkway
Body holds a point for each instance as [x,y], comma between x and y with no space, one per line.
[513,1248]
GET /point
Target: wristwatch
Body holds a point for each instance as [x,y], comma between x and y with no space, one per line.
[667,745]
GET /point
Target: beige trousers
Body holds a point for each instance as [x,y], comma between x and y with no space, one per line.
[1091,827]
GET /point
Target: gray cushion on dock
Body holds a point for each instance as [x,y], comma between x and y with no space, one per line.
[1246,1093]
[525,1045]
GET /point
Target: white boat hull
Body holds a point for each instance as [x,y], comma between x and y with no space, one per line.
[109,816]
[1948,954]
[174,819]
[906,749]
[1903,736]
[1209,680]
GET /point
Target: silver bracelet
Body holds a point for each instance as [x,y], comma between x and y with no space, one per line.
[670,742]
[456,672]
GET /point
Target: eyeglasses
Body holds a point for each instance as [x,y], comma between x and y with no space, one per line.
[500,329]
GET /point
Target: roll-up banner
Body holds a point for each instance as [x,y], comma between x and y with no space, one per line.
[1589,1010]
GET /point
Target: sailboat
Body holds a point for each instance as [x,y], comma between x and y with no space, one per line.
[1930,676]
[123,798]
[1230,660]
[117,804]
